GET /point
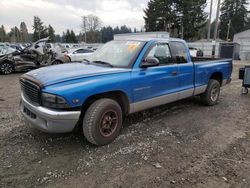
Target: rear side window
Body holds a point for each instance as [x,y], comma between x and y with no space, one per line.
[88,51]
[162,53]
[82,51]
[179,52]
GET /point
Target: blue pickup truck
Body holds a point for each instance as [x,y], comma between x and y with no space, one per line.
[127,75]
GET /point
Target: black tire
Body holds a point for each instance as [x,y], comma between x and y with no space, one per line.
[244,91]
[6,68]
[212,93]
[56,62]
[102,122]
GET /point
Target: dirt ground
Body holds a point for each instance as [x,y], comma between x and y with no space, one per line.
[183,144]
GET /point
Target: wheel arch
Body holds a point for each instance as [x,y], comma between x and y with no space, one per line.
[217,76]
[119,96]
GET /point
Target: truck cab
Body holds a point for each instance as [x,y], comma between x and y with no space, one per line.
[132,73]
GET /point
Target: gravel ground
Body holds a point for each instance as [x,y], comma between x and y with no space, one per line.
[183,144]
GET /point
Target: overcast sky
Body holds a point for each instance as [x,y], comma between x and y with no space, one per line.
[66,14]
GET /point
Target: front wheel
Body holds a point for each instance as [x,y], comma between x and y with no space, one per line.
[56,62]
[6,68]
[102,122]
[212,93]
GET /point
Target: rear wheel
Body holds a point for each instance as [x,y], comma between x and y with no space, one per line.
[212,93]
[102,122]
[6,68]
[244,91]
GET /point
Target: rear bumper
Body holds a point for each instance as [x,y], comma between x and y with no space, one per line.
[47,120]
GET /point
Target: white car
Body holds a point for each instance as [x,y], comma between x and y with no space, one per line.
[79,54]
[195,52]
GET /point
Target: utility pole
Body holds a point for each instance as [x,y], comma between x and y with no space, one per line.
[228,29]
[217,20]
[182,31]
[209,21]
[216,28]
[84,25]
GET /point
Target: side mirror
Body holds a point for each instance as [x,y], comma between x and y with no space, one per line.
[150,62]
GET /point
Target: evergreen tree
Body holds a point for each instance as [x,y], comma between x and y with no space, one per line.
[63,39]
[159,15]
[58,38]
[233,11]
[73,37]
[23,32]
[67,36]
[3,36]
[116,30]
[45,32]
[248,23]
[39,29]
[51,33]
[182,18]
[191,18]
[107,34]
[15,35]
[125,29]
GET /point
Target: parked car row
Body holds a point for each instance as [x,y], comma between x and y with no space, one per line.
[32,57]
[25,57]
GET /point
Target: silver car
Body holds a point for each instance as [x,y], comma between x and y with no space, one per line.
[79,54]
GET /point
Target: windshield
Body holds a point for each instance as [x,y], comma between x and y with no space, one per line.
[5,49]
[117,53]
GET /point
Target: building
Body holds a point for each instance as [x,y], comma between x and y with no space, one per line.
[243,38]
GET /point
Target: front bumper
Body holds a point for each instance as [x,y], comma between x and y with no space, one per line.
[47,120]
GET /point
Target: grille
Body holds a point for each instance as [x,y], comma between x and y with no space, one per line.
[31,91]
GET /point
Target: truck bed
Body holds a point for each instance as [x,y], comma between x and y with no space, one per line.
[204,59]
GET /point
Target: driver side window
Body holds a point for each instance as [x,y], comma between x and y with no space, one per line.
[162,53]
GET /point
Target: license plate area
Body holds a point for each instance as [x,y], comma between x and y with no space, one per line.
[29,113]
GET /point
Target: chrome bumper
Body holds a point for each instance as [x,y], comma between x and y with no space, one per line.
[47,120]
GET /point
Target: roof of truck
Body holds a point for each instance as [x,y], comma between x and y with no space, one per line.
[147,36]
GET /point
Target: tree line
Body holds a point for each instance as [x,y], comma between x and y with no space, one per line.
[94,32]
[187,19]
[15,35]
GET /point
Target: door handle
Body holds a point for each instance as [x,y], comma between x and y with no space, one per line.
[174,73]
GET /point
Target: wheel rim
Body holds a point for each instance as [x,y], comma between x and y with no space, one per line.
[215,93]
[6,68]
[109,123]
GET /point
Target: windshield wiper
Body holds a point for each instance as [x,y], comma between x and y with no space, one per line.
[103,63]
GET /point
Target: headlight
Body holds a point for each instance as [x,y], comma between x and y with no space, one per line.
[54,101]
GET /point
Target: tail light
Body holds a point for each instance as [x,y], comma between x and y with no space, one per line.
[66,56]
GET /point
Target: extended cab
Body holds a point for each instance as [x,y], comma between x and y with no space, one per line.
[129,74]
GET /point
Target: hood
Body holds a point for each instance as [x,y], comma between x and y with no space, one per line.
[66,72]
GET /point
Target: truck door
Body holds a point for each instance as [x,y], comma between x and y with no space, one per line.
[185,68]
[157,85]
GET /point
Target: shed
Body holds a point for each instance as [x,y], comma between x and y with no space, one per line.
[243,38]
